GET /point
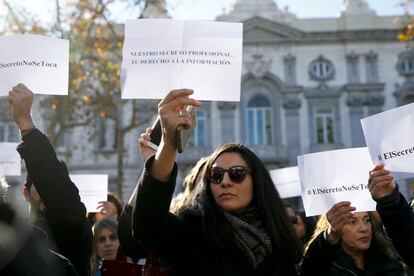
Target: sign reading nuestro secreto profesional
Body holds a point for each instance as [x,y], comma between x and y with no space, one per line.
[39,62]
[160,55]
[332,176]
[389,137]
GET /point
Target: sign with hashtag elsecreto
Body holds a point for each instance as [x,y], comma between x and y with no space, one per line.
[286,181]
[333,176]
[10,163]
[390,139]
[39,62]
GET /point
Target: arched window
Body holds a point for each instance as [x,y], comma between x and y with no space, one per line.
[324,125]
[259,122]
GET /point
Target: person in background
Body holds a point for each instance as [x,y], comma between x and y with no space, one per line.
[291,212]
[348,243]
[55,206]
[111,209]
[236,226]
[190,181]
[304,227]
[105,243]
[396,213]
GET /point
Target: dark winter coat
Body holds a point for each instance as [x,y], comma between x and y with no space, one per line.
[181,240]
[65,215]
[398,219]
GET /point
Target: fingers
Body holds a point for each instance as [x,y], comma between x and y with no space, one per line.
[106,207]
[379,172]
[378,167]
[379,175]
[177,104]
[339,214]
[177,100]
[173,113]
[176,93]
[380,182]
[145,137]
[20,90]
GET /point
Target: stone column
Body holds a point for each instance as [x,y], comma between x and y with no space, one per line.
[292,104]
[372,67]
[375,102]
[356,101]
[352,64]
[290,69]
[227,121]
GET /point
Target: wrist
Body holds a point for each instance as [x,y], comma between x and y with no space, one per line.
[25,125]
[23,132]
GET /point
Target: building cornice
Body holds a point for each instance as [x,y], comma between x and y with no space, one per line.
[263,31]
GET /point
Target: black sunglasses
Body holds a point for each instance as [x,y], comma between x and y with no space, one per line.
[236,173]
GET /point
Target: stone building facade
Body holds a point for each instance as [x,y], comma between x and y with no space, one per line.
[306,83]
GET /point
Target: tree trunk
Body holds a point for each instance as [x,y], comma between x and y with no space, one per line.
[120,151]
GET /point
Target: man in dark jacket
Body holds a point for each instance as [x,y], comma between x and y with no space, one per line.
[395,212]
[54,200]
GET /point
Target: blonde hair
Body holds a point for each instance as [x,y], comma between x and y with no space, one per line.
[189,185]
[321,226]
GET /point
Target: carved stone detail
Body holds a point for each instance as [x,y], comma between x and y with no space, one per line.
[376,100]
[291,102]
[356,100]
[258,65]
[226,106]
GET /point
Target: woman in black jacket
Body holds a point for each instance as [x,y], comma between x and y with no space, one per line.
[237,224]
[346,243]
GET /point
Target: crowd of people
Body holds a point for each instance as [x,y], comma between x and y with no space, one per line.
[230,219]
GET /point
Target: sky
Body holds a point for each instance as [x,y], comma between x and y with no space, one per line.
[209,9]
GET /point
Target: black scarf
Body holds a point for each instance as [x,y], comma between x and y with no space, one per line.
[250,236]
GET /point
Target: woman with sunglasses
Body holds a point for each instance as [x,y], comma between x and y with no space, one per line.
[237,224]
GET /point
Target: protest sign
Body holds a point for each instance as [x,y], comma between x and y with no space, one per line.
[160,55]
[93,188]
[389,137]
[10,163]
[41,63]
[332,176]
[287,182]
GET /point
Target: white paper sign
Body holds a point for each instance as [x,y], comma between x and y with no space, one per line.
[41,63]
[333,176]
[93,188]
[389,137]
[160,55]
[287,181]
[10,163]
